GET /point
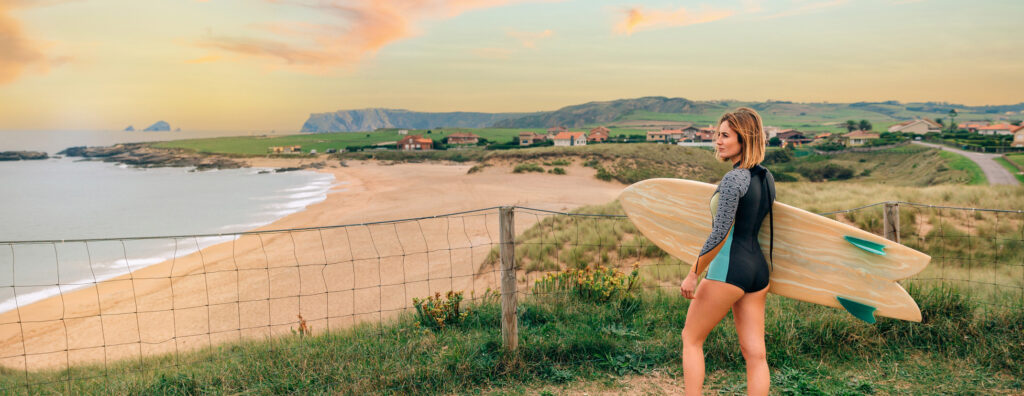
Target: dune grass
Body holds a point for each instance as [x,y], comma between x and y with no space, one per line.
[1011,168]
[811,349]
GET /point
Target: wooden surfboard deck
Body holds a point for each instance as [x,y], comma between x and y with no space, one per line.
[816,259]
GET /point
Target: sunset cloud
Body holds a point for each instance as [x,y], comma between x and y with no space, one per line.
[17,52]
[640,19]
[360,29]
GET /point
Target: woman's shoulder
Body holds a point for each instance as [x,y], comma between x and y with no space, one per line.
[738,177]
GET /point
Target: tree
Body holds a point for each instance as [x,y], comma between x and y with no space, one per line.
[851,125]
[865,125]
[774,142]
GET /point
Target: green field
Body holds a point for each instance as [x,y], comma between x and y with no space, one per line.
[320,142]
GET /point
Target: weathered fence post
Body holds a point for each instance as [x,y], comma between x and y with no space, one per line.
[891,222]
[509,322]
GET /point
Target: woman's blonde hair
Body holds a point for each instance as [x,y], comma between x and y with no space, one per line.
[750,132]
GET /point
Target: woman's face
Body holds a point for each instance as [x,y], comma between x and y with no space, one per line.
[728,143]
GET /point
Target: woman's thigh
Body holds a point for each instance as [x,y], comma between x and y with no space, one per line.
[748,312]
[710,304]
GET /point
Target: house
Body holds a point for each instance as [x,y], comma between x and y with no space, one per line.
[704,136]
[284,149]
[570,139]
[792,137]
[658,136]
[919,126]
[1018,137]
[598,134]
[556,130]
[859,138]
[528,138]
[415,142]
[996,129]
[771,131]
[972,126]
[691,130]
[823,135]
[463,138]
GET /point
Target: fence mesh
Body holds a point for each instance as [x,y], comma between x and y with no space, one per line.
[98,303]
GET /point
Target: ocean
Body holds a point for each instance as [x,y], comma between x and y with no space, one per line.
[70,199]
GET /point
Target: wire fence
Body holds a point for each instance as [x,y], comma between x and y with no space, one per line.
[100,302]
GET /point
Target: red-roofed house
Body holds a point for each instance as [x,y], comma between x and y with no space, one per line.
[598,134]
[997,129]
[570,139]
[919,126]
[463,138]
[415,142]
[1018,137]
[971,126]
[792,137]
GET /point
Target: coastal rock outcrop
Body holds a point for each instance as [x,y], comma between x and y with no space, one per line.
[130,128]
[143,156]
[22,155]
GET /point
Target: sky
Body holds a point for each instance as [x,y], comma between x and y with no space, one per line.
[261,65]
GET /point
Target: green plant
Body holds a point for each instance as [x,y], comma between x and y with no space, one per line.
[557,171]
[527,167]
[600,284]
[436,313]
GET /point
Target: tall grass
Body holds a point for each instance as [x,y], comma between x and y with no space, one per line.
[563,338]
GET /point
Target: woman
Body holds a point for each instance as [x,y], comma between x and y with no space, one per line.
[737,272]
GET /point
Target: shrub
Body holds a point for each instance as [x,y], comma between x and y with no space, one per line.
[557,171]
[600,284]
[528,167]
[827,171]
[436,313]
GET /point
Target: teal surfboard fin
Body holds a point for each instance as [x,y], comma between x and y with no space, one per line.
[860,311]
[868,246]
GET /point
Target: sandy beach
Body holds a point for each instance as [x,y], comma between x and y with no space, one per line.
[258,284]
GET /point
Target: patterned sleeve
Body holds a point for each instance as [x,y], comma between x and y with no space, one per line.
[733,186]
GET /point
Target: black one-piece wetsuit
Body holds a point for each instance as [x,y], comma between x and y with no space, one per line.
[732,253]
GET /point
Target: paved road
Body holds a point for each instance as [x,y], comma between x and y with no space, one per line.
[994,172]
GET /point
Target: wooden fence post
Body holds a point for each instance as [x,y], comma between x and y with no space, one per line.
[509,319]
[891,222]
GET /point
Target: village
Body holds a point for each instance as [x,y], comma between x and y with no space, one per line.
[687,134]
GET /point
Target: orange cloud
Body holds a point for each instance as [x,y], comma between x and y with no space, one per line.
[363,27]
[204,59]
[640,19]
[18,52]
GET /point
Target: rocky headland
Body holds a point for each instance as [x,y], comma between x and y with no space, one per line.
[144,156]
[22,155]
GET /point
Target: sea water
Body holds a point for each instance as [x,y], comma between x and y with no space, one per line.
[59,202]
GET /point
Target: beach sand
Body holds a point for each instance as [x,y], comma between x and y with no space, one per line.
[258,284]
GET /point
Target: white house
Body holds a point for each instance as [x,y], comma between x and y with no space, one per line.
[570,139]
[996,129]
[919,126]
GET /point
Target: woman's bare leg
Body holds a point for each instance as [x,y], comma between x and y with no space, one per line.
[748,312]
[710,304]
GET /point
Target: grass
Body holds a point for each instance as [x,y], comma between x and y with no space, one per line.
[959,162]
[811,349]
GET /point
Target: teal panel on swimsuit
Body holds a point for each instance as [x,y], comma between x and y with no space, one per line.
[719,267]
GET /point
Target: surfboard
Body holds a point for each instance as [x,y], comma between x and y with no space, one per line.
[816,259]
